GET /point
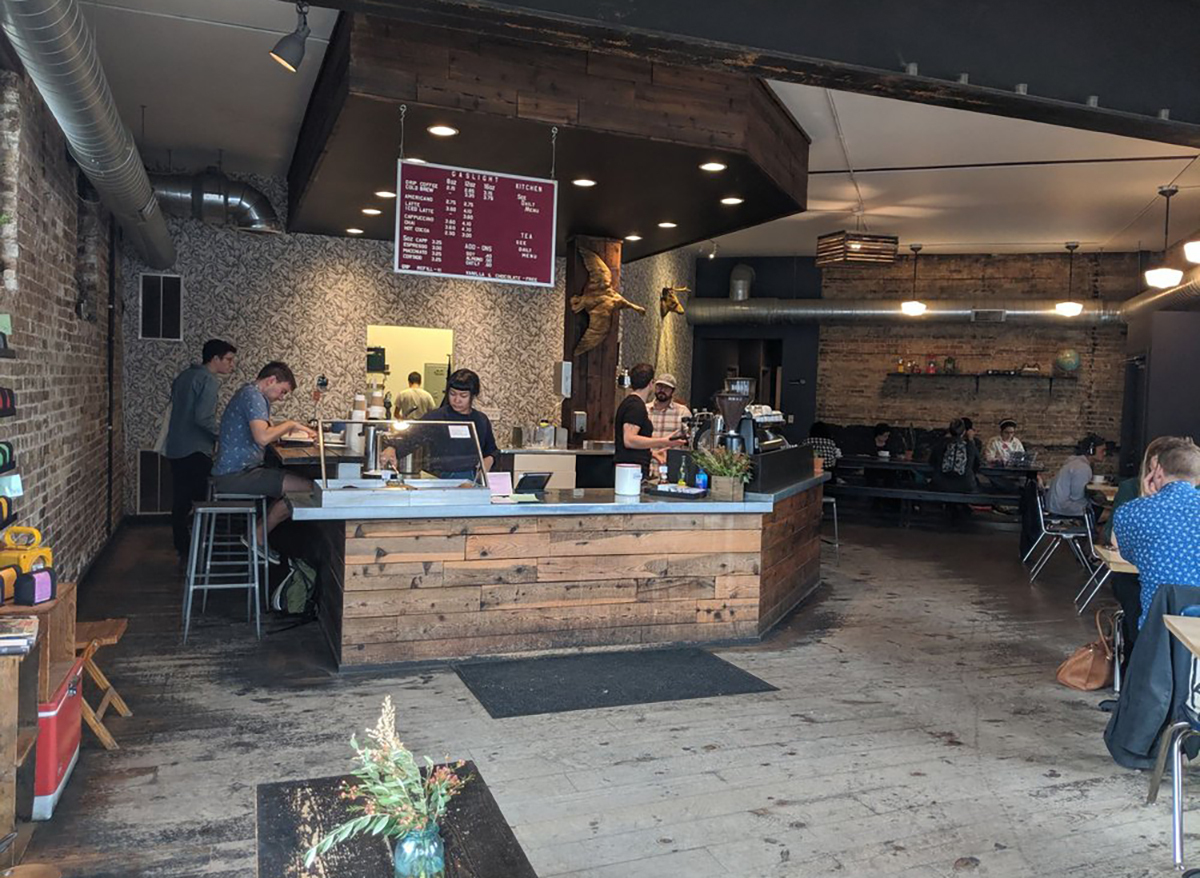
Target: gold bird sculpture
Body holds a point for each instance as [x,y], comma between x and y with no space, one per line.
[668,300]
[600,300]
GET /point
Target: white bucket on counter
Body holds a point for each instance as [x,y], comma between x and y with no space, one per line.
[628,479]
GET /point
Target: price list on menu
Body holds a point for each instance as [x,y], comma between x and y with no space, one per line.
[459,222]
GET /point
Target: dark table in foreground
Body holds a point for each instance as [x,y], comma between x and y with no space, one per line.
[292,815]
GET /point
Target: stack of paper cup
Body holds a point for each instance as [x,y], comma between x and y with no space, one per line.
[360,402]
[376,413]
[354,431]
[628,480]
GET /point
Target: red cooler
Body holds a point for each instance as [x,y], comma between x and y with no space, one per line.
[58,742]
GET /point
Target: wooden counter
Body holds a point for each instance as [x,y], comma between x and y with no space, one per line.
[596,572]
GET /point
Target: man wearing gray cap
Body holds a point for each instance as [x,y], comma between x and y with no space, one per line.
[665,413]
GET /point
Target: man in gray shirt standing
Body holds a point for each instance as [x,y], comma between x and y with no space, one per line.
[192,433]
[1068,491]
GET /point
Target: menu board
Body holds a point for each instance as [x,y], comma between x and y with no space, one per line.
[478,225]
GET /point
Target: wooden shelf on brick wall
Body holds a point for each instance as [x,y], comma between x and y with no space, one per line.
[975,376]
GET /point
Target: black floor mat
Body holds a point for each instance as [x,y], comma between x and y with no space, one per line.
[521,687]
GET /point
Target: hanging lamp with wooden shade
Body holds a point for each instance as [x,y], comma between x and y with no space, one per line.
[856,248]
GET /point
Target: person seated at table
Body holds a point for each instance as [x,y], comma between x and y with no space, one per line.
[1125,586]
[1159,534]
[820,440]
[955,461]
[972,435]
[1067,494]
[1002,449]
[246,431]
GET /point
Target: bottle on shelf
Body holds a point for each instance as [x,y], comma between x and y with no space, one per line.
[900,366]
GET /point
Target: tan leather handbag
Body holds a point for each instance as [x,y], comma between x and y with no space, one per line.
[1091,667]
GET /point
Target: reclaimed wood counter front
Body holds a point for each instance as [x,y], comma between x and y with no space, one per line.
[580,570]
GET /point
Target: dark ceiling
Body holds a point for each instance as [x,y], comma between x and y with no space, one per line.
[640,182]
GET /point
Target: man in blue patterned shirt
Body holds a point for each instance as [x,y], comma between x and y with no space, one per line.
[1160,533]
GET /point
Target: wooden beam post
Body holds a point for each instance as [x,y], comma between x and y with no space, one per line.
[593,374]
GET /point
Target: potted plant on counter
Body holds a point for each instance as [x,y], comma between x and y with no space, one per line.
[728,471]
[395,800]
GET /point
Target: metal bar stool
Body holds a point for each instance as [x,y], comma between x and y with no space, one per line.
[836,542]
[261,503]
[216,566]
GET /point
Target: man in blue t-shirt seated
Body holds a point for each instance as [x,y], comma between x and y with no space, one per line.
[246,432]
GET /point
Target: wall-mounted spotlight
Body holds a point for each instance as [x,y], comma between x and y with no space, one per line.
[289,51]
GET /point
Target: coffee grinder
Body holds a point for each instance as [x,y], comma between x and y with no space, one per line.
[731,405]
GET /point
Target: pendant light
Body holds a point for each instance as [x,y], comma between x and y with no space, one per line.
[1070,308]
[913,307]
[1164,278]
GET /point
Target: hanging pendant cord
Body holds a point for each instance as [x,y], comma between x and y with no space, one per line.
[553,150]
[403,110]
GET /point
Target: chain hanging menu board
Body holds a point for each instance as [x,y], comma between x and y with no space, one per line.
[478,225]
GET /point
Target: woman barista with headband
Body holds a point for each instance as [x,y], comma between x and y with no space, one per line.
[459,405]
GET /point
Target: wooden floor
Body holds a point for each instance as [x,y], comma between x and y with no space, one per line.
[917,731]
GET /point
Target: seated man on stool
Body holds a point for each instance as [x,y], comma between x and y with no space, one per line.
[1159,534]
[246,431]
[1068,490]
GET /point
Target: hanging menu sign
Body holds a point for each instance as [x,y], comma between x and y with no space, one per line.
[478,225]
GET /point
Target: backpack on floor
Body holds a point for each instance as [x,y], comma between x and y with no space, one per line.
[300,592]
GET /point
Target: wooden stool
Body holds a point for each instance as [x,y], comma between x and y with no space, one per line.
[89,637]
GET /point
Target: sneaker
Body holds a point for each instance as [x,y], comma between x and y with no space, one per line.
[277,595]
[264,552]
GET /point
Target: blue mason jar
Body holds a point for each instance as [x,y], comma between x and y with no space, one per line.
[420,854]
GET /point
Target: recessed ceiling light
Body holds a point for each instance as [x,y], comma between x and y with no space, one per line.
[354,231]
[442,130]
[732,199]
[584,182]
[372,211]
[384,193]
[713,167]
[634,237]
[416,161]
[666,225]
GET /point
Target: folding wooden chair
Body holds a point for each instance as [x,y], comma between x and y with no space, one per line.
[89,637]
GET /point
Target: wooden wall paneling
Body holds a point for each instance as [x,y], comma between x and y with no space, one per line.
[674,588]
[387,550]
[558,594]
[594,374]
[448,527]
[406,574]
[680,521]
[615,67]
[501,571]
[398,602]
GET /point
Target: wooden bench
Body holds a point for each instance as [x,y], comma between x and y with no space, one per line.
[907,496]
[89,637]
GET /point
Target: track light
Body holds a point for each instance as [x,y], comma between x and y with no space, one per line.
[289,51]
[913,308]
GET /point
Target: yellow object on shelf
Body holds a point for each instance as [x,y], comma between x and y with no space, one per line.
[22,548]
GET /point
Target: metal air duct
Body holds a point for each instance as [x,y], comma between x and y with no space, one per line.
[213,198]
[740,281]
[768,312]
[1182,297]
[54,43]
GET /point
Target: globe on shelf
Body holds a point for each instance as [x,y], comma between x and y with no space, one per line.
[1067,360]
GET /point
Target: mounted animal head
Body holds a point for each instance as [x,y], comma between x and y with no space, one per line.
[668,300]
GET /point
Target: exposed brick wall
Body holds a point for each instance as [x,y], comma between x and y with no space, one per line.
[53,246]
[854,360]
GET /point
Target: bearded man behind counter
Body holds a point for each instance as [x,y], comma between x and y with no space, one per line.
[634,432]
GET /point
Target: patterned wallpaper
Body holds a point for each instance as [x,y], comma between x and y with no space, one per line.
[307,300]
[664,343]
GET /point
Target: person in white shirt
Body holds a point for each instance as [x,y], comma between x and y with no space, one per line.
[1003,448]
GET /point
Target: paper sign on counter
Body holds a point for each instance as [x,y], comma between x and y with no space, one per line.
[460,431]
[500,484]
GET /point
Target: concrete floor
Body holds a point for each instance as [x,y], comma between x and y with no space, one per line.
[917,731]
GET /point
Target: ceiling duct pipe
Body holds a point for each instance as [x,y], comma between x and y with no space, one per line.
[770,312]
[213,198]
[54,43]
[740,281]
[1178,298]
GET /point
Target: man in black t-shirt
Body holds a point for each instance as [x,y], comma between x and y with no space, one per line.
[634,432]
